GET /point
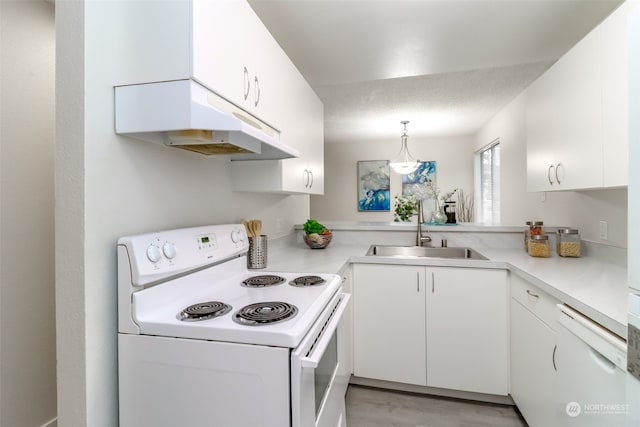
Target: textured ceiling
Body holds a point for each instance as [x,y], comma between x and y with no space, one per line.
[445,65]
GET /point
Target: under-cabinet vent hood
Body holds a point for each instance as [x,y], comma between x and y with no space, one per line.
[185,114]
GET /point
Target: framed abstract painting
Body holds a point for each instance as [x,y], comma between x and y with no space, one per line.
[373,186]
[416,183]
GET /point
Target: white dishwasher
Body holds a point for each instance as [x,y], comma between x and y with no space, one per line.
[592,371]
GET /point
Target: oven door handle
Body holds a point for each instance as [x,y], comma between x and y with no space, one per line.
[313,359]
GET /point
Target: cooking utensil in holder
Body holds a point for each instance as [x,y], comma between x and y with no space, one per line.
[257,255]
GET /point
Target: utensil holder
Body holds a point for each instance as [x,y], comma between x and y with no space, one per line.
[257,255]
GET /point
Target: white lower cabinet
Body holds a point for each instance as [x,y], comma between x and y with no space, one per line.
[389,340]
[440,327]
[467,335]
[533,350]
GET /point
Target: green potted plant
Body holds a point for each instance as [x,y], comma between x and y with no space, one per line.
[405,207]
[316,235]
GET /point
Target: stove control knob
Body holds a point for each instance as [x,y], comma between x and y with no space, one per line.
[169,250]
[238,235]
[153,253]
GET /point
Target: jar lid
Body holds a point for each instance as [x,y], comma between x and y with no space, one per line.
[567,231]
[540,237]
[538,223]
[529,223]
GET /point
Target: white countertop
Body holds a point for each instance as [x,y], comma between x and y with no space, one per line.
[594,287]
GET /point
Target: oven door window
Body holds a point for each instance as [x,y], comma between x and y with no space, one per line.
[325,371]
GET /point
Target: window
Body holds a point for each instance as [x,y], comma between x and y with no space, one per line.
[488,183]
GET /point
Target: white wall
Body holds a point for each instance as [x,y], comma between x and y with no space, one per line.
[27,310]
[454,169]
[583,210]
[109,186]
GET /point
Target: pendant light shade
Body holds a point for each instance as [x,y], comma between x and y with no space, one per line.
[404,163]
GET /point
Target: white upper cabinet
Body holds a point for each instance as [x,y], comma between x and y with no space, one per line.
[564,125]
[303,129]
[223,45]
[576,114]
[234,54]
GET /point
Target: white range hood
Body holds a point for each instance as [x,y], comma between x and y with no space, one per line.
[184,114]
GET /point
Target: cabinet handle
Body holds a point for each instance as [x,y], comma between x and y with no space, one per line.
[247,84]
[556,173]
[311,175]
[418,281]
[549,174]
[306,178]
[256,91]
[433,283]
[531,294]
[553,357]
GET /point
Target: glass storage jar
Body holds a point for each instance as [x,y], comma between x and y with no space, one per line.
[568,242]
[527,233]
[539,246]
[536,228]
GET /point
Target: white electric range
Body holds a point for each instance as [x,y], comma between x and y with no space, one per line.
[204,341]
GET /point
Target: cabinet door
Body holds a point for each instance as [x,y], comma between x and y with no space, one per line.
[305,131]
[234,54]
[220,48]
[579,149]
[541,113]
[533,373]
[389,323]
[467,330]
[564,121]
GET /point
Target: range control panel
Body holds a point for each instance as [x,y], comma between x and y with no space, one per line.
[160,255]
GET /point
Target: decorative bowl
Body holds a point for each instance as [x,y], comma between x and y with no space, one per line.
[317,241]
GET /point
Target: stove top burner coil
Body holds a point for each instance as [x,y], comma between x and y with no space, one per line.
[307,281]
[263,313]
[204,311]
[262,281]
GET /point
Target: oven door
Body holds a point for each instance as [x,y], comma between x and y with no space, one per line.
[319,370]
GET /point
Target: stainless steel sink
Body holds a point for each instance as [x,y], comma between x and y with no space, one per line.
[424,252]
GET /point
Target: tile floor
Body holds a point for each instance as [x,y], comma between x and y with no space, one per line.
[371,407]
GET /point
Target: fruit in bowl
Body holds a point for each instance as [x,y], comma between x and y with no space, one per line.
[316,235]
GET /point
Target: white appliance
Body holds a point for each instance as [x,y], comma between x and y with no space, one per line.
[591,363]
[633,361]
[184,114]
[204,341]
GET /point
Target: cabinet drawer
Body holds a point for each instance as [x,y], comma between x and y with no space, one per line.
[538,302]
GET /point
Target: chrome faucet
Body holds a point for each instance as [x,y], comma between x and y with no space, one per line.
[420,239]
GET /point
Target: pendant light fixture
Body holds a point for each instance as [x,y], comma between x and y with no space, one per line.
[404,163]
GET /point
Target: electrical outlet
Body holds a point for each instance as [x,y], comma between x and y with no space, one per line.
[603,230]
